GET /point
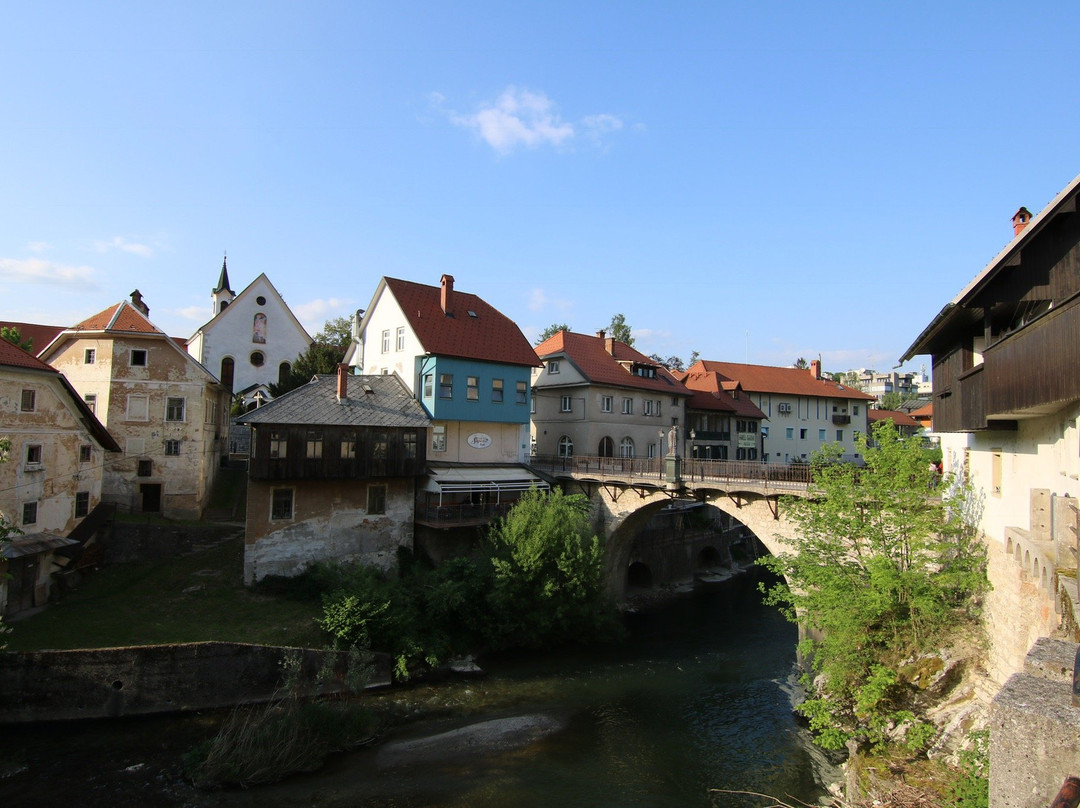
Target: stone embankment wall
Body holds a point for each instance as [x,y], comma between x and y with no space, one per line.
[140,680]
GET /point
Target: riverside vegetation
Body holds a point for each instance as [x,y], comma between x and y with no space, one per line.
[887,568]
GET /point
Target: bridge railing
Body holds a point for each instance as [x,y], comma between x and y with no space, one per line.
[596,466]
[723,472]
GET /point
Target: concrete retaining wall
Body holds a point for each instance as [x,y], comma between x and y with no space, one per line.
[140,680]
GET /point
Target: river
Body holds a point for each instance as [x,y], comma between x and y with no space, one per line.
[694,706]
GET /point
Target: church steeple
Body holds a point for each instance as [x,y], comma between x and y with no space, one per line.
[222,295]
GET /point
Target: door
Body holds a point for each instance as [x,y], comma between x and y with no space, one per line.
[151,497]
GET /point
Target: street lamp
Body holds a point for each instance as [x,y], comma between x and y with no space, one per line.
[693,449]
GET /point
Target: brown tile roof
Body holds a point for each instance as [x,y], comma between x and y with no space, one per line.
[13,356]
[713,393]
[782,381]
[898,418]
[119,317]
[489,336]
[590,355]
[925,411]
[38,334]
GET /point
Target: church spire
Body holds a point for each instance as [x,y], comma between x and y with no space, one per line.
[222,295]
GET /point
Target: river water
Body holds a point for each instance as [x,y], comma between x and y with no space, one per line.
[694,706]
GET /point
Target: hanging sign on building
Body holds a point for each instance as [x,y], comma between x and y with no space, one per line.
[479,440]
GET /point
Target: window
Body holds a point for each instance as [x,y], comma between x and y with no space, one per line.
[386,341]
[172,448]
[566,404]
[228,370]
[85,453]
[145,468]
[91,401]
[854,409]
[656,409]
[281,505]
[29,513]
[648,406]
[802,434]
[789,433]
[566,446]
[210,411]
[821,434]
[379,446]
[626,447]
[376,499]
[257,358]
[313,445]
[628,406]
[260,300]
[497,391]
[605,403]
[839,434]
[522,392]
[138,408]
[472,388]
[137,358]
[553,366]
[429,389]
[89,356]
[348,448]
[33,454]
[410,445]
[438,438]
[283,371]
[399,345]
[174,409]
[446,385]
[279,444]
[82,504]
[28,401]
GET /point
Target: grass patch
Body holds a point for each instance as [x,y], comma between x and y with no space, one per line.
[193,598]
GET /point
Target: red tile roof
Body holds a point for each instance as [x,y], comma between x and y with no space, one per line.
[782,381]
[898,418]
[590,354]
[38,334]
[713,393]
[119,317]
[13,356]
[489,336]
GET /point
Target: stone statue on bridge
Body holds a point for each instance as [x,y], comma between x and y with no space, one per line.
[673,441]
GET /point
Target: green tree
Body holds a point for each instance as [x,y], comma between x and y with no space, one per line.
[548,566]
[802,364]
[12,335]
[551,331]
[671,363]
[620,330]
[322,356]
[884,566]
[694,356]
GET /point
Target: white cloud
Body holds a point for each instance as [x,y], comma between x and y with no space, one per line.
[522,117]
[196,313]
[37,270]
[315,313]
[38,246]
[122,244]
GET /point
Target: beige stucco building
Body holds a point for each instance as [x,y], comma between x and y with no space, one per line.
[168,413]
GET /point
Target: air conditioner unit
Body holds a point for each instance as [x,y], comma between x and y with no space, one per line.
[784,408]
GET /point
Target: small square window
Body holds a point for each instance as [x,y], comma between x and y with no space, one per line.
[314,445]
[522,392]
[553,366]
[89,356]
[446,385]
[29,513]
[91,401]
[429,386]
[86,453]
[400,342]
[138,357]
[174,409]
[145,468]
[172,448]
[497,391]
[628,406]
[566,404]
[348,448]
[82,504]
[33,454]
[376,499]
[28,401]
[839,434]
[282,504]
[472,388]
[438,438]
[605,403]
[279,444]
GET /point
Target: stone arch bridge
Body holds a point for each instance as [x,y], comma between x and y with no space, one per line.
[627,492]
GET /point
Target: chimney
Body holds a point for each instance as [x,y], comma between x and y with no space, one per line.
[447,297]
[342,381]
[609,345]
[815,368]
[1020,220]
[601,333]
[137,302]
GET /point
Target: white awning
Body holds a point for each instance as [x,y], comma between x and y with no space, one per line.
[475,479]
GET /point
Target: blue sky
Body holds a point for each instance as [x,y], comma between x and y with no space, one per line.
[753,181]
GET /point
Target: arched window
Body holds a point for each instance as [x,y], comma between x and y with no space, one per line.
[566,446]
[626,447]
[283,372]
[258,329]
[227,368]
[607,447]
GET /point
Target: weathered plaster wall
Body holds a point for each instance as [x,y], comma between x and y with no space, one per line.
[330,521]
